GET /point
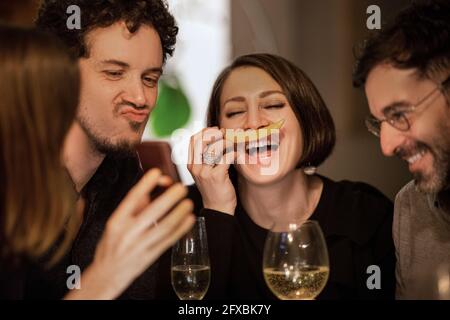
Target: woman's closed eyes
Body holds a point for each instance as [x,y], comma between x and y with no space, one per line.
[271,106]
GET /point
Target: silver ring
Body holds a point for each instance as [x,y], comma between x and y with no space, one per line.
[209,157]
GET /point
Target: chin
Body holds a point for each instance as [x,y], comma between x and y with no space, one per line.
[429,183]
[434,178]
[261,176]
[265,172]
[120,148]
[132,139]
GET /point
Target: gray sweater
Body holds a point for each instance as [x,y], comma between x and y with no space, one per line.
[421,232]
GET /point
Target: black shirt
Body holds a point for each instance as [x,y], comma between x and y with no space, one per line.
[12,278]
[103,193]
[356,220]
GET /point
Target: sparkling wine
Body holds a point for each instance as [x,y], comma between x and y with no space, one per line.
[304,283]
[191,282]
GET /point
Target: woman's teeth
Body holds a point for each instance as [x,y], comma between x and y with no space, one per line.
[261,146]
[415,157]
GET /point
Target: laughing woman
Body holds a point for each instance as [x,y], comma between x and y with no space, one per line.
[241,202]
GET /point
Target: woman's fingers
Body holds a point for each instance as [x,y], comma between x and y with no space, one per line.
[165,181]
[149,220]
[226,157]
[124,232]
[135,196]
[210,135]
[198,144]
[155,249]
[160,206]
[170,228]
[227,160]
[229,155]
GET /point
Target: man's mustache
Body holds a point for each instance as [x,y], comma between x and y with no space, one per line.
[406,151]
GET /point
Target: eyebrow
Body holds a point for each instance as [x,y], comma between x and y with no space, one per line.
[116,62]
[127,66]
[261,95]
[268,93]
[391,107]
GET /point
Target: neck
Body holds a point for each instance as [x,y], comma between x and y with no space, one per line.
[80,157]
[265,204]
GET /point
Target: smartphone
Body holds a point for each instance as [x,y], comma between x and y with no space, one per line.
[158,154]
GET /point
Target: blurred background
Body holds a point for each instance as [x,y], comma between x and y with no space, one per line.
[318,36]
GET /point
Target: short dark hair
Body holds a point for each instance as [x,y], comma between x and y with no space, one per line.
[52,17]
[315,121]
[419,38]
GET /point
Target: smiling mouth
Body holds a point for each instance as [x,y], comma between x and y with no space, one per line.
[261,147]
[416,157]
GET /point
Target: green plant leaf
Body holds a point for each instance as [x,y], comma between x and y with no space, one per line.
[172,110]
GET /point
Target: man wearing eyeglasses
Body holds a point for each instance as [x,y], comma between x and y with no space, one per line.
[405,71]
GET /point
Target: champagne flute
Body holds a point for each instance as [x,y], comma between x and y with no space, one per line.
[295,263]
[190,268]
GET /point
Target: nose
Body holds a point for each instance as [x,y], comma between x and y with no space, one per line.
[390,139]
[135,92]
[255,120]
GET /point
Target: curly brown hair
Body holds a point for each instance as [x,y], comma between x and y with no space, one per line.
[52,17]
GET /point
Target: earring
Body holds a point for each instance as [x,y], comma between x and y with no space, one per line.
[309,169]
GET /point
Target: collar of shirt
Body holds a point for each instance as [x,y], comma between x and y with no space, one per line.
[112,169]
[346,209]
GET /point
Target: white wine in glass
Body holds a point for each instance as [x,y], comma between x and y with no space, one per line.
[191,282]
[295,264]
[190,268]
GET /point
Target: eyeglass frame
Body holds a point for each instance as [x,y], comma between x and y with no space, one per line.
[374,125]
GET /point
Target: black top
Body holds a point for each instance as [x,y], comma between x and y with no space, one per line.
[12,278]
[356,220]
[103,193]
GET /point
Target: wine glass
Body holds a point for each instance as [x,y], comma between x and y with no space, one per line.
[190,269]
[295,263]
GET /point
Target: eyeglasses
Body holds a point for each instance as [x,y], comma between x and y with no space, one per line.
[397,117]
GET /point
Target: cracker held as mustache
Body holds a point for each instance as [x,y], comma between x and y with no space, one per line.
[253,135]
[250,140]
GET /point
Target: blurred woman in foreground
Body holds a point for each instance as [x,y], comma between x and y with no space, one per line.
[39,95]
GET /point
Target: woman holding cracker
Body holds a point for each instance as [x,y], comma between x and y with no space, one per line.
[268,131]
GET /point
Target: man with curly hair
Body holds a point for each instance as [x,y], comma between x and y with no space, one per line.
[121,47]
[405,71]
